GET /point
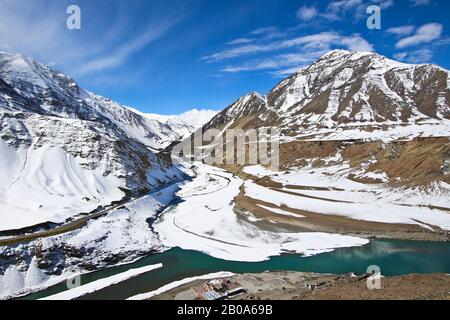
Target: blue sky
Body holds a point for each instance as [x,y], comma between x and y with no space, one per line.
[173,55]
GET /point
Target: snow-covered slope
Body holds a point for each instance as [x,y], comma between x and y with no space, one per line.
[186,123]
[350,95]
[65,151]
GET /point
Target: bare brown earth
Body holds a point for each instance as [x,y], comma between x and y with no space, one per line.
[410,287]
[297,286]
[416,162]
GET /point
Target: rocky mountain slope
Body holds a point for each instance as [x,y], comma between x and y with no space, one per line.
[350,95]
[29,86]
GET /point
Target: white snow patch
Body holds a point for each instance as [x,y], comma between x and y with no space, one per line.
[281,212]
[102,283]
[369,208]
[49,185]
[224,235]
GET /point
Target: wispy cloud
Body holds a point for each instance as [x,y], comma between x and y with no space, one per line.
[303,51]
[240,41]
[421,46]
[337,7]
[424,55]
[263,31]
[402,31]
[277,62]
[123,52]
[306,13]
[416,3]
[339,10]
[323,39]
[425,34]
[38,29]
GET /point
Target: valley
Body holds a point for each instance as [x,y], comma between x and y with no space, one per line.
[363,179]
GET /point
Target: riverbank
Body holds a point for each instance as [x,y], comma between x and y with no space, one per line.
[395,258]
[321,201]
[311,286]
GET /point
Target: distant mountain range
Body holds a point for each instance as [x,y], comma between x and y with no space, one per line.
[185,123]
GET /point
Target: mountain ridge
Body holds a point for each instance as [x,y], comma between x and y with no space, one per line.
[343,88]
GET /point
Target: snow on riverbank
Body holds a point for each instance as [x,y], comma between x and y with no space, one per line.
[179,283]
[123,233]
[376,203]
[102,283]
[205,221]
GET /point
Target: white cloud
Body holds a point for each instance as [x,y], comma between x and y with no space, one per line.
[323,39]
[417,56]
[38,29]
[416,3]
[356,43]
[402,30]
[307,13]
[425,34]
[276,62]
[123,52]
[240,41]
[385,4]
[343,5]
[338,10]
[307,50]
[401,56]
[265,30]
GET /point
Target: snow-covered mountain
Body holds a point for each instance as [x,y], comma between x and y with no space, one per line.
[359,109]
[350,95]
[186,123]
[38,89]
[65,151]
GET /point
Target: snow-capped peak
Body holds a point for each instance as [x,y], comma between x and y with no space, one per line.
[187,122]
[344,89]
